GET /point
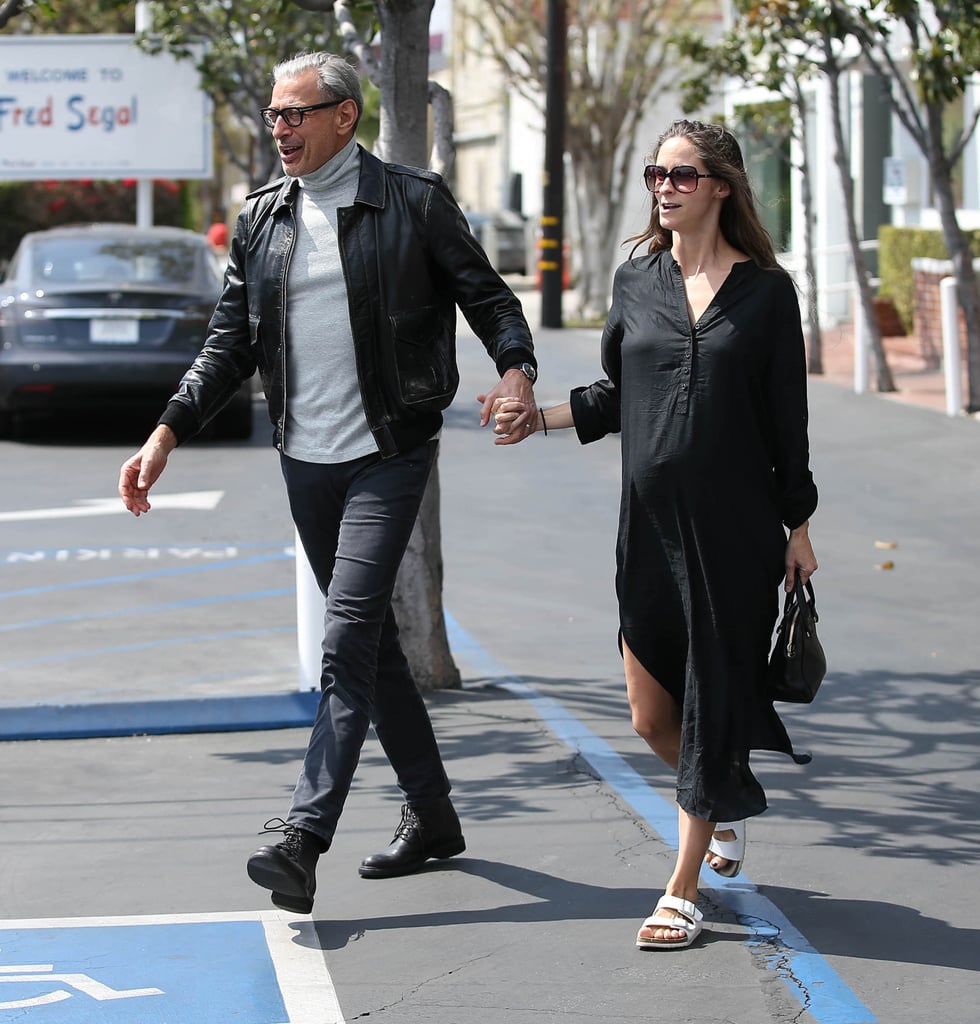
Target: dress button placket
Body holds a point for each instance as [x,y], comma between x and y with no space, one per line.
[685,390]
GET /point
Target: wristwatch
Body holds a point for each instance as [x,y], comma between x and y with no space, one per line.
[528,370]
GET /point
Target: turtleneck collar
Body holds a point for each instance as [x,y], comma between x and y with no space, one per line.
[328,175]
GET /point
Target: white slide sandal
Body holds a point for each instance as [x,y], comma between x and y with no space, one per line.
[690,924]
[732,850]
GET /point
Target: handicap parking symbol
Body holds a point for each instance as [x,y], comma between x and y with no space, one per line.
[29,975]
[195,970]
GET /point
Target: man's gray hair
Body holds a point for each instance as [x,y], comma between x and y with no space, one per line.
[338,80]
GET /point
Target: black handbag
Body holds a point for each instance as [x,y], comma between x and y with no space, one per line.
[797,664]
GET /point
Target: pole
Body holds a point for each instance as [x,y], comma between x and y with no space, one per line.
[309,621]
[950,313]
[861,345]
[144,202]
[144,186]
[551,258]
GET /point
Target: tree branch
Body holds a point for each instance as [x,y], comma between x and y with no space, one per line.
[9,9]
[353,43]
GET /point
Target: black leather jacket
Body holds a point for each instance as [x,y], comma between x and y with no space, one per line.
[408,257]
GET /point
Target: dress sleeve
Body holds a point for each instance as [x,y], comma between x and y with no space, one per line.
[787,401]
[596,408]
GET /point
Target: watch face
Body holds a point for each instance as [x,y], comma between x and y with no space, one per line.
[529,371]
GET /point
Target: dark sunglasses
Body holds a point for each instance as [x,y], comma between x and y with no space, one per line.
[293,116]
[684,178]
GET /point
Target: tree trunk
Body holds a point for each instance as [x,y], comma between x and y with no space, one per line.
[959,254]
[404,77]
[597,241]
[418,599]
[815,337]
[883,374]
[443,159]
[593,259]
[403,138]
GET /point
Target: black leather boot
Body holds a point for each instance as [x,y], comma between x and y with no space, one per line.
[289,867]
[426,830]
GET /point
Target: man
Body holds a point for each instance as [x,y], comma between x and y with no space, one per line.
[341,288]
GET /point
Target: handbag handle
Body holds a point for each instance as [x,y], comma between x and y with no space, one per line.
[806,603]
[802,594]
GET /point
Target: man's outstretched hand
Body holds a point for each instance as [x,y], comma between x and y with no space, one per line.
[142,470]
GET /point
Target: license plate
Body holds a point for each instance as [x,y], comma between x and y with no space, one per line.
[114,332]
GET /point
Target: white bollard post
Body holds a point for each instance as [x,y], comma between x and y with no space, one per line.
[491,242]
[144,186]
[860,346]
[950,312]
[310,608]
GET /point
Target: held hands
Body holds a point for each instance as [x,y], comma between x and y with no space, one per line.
[509,417]
[140,471]
[515,392]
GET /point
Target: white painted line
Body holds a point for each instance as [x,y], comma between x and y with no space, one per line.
[108,922]
[301,967]
[202,501]
[301,973]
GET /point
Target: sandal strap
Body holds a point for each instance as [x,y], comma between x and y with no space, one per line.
[728,849]
[682,906]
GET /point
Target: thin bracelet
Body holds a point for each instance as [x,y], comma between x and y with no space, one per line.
[544,422]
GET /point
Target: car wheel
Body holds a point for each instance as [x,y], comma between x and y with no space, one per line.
[6,423]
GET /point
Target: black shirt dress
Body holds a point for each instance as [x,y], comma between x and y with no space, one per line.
[715,468]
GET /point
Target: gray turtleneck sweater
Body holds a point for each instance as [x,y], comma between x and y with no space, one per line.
[325,419]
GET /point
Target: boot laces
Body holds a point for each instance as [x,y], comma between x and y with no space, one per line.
[292,841]
[410,823]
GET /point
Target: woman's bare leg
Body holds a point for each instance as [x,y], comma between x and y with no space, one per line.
[693,835]
[657,720]
[656,716]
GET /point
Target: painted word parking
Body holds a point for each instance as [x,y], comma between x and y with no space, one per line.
[253,968]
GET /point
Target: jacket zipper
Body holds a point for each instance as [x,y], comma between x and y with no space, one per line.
[282,324]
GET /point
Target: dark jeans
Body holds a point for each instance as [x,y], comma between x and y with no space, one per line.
[355,520]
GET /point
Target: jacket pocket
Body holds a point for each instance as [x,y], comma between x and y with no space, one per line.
[424,347]
[264,360]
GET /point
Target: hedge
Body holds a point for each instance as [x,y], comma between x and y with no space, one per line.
[34,205]
[897,247]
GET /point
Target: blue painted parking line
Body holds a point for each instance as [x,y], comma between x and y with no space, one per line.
[807,975]
[130,611]
[258,967]
[285,554]
[290,710]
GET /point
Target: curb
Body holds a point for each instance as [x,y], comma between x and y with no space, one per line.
[159,717]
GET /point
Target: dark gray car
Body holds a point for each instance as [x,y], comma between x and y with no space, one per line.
[510,239]
[107,314]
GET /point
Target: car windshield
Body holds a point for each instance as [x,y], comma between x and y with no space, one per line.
[115,260]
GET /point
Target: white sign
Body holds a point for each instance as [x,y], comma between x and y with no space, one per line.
[98,107]
[901,181]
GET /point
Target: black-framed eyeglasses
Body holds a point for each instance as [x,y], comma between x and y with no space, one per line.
[684,178]
[293,116]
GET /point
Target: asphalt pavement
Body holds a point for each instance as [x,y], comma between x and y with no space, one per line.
[122,853]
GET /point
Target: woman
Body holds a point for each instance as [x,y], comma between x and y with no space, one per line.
[706,378]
